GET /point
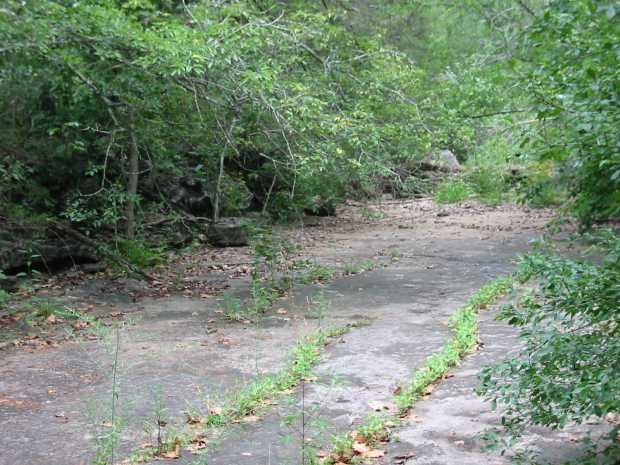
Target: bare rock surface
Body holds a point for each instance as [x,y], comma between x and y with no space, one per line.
[179,353]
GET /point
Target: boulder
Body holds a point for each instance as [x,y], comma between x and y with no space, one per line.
[442,160]
[191,195]
[228,232]
[45,254]
[26,246]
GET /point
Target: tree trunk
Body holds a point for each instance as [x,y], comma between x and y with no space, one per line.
[220,175]
[132,181]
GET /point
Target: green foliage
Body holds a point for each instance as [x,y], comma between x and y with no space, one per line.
[371,215]
[5,297]
[139,253]
[453,191]
[569,368]
[572,72]
[312,273]
[294,100]
[234,309]
[542,186]
[356,267]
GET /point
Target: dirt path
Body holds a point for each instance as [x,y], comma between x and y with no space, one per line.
[178,354]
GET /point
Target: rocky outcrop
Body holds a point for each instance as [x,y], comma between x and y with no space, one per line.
[37,247]
[228,232]
[442,160]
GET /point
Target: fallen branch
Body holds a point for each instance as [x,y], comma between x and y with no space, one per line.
[100,248]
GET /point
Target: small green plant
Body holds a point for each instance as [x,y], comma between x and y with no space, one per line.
[261,297]
[359,267]
[351,268]
[46,309]
[159,418]
[489,184]
[315,274]
[371,215]
[374,430]
[234,309]
[140,254]
[107,443]
[319,308]
[453,191]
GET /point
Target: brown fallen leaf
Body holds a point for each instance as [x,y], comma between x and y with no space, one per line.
[215,410]
[51,319]
[401,459]
[174,452]
[360,448]
[81,324]
[192,419]
[374,454]
[197,444]
[281,311]
[250,419]
[116,314]
[379,405]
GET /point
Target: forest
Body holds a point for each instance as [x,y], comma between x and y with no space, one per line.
[134,132]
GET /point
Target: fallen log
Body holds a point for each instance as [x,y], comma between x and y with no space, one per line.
[100,249]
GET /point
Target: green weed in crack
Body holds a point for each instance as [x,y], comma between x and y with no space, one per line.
[107,442]
[308,429]
[352,268]
[318,307]
[464,323]
[254,397]
[312,273]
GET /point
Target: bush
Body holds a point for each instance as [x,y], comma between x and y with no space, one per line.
[569,368]
[488,183]
[453,191]
[572,57]
[140,254]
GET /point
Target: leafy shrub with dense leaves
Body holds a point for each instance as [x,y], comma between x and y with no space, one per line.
[296,104]
[569,368]
[573,73]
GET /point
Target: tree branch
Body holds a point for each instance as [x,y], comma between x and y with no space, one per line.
[529,11]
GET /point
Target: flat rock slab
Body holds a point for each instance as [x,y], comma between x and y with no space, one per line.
[408,306]
[183,352]
[444,429]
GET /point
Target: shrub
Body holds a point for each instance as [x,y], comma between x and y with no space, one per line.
[569,368]
[453,191]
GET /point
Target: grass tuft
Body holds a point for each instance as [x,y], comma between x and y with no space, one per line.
[465,338]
